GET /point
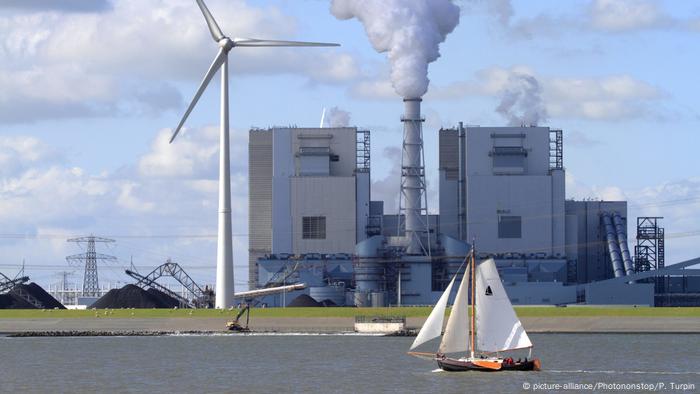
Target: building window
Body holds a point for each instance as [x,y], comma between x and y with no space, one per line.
[313,227]
[509,227]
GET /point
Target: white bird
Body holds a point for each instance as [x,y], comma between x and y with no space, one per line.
[224,255]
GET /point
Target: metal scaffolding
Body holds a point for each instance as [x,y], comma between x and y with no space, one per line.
[649,252]
[556,149]
[363,151]
[201,298]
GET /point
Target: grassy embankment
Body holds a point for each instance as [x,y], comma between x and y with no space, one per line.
[342,312]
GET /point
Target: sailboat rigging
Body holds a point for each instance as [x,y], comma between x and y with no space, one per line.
[498,330]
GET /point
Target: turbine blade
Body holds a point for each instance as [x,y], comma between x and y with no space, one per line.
[218,61]
[254,42]
[213,27]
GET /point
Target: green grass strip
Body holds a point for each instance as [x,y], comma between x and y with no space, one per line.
[579,311]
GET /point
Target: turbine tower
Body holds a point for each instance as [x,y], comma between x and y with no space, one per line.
[224,254]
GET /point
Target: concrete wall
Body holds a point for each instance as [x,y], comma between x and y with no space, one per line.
[418,290]
[449,211]
[558,213]
[529,197]
[541,293]
[481,140]
[619,293]
[283,168]
[532,191]
[341,141]
[260,201]
[331,197]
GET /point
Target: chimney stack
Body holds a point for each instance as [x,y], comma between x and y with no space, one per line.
[413,188]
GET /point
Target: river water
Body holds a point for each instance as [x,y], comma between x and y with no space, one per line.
[336,363]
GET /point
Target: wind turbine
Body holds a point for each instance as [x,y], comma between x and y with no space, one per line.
[224,254]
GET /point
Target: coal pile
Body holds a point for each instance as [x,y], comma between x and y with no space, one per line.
[11,300]
[132,296]
[304,301]
[165,299]
[40,294]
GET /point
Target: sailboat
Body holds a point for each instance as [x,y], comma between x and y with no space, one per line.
[492,329]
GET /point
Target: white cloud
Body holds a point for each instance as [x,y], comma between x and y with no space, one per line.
[627,15]
[127,199]
[188,156]
[20,152]
[58,64]
[594,16]
[58,5]
[580,191]
[607,98]
[612,97]
[193,155]
[49,201]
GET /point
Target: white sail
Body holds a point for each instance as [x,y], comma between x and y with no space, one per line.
[433,325]
[457,330]
[497,326]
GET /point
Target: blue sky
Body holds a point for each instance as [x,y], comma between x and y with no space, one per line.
[89,91]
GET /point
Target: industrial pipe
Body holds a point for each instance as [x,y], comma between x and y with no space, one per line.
[622,240]
[613,247]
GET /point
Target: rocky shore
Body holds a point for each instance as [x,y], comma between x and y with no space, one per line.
[172,326]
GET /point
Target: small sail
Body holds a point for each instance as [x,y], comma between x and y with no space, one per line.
[497,326]
[457,330]
[433,325]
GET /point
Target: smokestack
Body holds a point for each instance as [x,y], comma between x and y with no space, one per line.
[410,32]
[413,179]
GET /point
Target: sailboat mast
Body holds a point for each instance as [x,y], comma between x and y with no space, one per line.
[473,321]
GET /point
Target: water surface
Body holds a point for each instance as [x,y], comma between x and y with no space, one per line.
[327,364]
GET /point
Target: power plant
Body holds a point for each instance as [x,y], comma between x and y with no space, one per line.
[312,220]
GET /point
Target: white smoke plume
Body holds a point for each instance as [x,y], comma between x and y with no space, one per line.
[521,101]
[410,31]
[337,117]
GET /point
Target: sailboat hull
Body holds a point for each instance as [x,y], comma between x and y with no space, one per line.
[455,365]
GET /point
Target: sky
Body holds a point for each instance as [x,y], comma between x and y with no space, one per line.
[90,91]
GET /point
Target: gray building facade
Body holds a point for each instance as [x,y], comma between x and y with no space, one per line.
[309,193]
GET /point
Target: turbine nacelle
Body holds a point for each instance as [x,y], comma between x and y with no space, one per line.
[226,44]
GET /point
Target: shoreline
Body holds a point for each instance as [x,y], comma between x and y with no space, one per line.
[307,325]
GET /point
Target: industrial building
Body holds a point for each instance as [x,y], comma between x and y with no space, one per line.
[502,188]
[309,192]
